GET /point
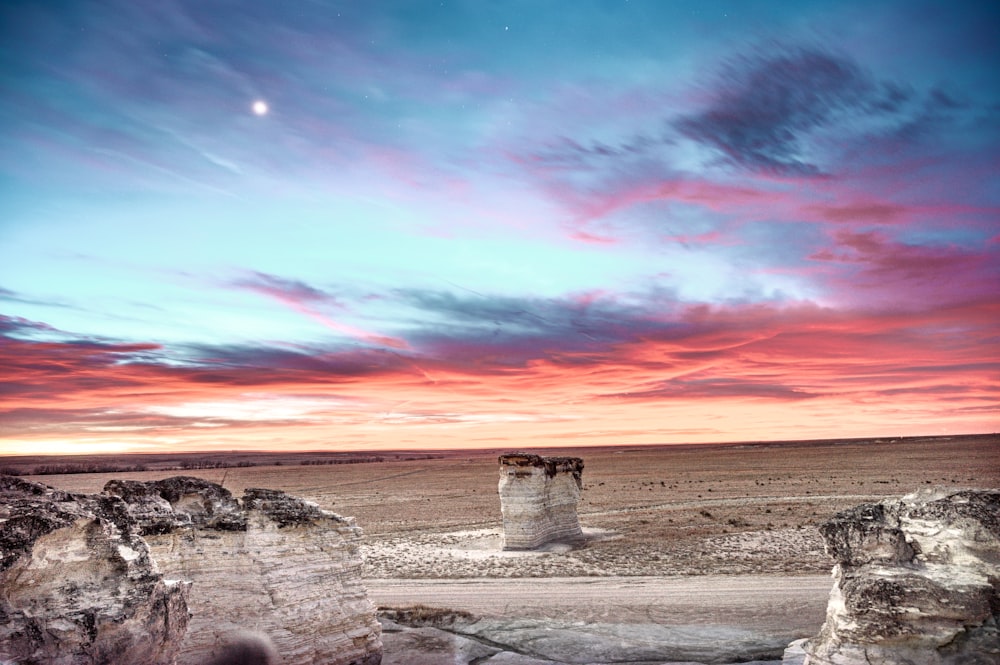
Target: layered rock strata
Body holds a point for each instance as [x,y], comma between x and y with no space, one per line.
[78,585]
[916,582]
[538,499]
[270,563]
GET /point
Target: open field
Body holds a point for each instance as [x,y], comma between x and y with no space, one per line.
[657,511]
[707,540]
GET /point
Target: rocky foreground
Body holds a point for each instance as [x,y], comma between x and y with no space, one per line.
[78,583]
[86,578]
[169,571]
[916,582]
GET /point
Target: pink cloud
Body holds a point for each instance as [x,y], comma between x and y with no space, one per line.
[871,266]
[304,299]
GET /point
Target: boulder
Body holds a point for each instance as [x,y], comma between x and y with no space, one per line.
[271,563]
[916,582]
[538,498]
[78,585]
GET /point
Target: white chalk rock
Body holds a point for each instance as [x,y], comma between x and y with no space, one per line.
[916,582]
[272,563]
[538,498]
[77,584]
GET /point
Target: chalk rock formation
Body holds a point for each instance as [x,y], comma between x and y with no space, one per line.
[77,584]
[538,497]
[916,582]
[271,563]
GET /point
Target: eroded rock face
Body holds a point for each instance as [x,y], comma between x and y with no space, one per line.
[538,497]
[271,563]
[916,582]
[78,585]
[161,506]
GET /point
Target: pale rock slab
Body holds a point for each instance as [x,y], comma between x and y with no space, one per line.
[78,585]
[271,563]
[416,636]
[916,582]
[538,499]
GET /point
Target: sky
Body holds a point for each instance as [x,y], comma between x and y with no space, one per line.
[495,224]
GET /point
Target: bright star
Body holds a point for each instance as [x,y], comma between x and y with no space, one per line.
[260,107]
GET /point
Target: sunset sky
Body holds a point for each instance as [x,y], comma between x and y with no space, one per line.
[381,225]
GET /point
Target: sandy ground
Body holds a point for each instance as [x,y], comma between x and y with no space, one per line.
[477,553]
[768,604]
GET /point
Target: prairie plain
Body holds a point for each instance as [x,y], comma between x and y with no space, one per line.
[648,511]
[719,534]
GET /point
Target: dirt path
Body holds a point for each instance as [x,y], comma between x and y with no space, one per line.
[777,604]
[730,501]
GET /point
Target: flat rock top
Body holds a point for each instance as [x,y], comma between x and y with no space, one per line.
[160,506]
[285,509]
[171,489]
[552,465]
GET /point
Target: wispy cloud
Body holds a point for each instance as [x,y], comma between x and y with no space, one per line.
[567,354]
[307,300]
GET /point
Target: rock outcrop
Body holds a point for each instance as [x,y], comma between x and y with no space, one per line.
[78,585]
[916,582]
[270,563]
[538,497]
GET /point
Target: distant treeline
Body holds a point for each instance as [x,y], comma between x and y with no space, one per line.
[342,460]
[95,467]
[187,464]
[214,464]
[53,469]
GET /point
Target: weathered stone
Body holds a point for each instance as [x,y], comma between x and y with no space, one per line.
[916,582]
[78,585]
[160,506]
[538,498]
[431,646]
[272,563]
[547,641]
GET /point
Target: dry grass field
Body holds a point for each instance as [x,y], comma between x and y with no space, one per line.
[656,511]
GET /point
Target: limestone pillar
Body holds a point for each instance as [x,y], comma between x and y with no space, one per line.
[538,497]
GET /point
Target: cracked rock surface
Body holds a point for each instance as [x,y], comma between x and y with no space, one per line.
[86,579]
[78,585]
